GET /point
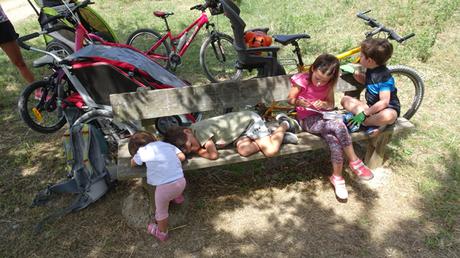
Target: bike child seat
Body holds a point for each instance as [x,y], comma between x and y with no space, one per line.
[247,57]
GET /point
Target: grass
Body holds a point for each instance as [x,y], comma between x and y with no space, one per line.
[274,207]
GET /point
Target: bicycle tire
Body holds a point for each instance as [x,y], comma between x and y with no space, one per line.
[410,96]
[59,48]
[27,96]
[215,68]
[143,39]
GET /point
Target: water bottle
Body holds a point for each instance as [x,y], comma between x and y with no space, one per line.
[182,41]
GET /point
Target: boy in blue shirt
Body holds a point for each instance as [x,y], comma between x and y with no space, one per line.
[382,105]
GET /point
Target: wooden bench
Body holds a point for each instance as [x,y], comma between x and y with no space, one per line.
[148,105]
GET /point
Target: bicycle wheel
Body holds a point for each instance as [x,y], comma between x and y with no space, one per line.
[410,89]
[144,39]
[218,58]
[59,48]
[40,112]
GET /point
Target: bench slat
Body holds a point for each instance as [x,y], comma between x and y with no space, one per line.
[230,156]
[214,96]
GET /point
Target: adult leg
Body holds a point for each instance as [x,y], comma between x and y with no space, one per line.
[14,54]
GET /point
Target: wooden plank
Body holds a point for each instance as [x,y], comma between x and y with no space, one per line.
[230,156]
[214,96]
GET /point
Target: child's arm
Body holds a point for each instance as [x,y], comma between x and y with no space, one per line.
[292,97]
[209,151]
[181,156]
[133,163]
[379,105]
[360,77]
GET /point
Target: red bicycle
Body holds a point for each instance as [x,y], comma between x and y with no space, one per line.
[217,54]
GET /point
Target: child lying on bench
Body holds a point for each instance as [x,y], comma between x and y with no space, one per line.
[245,129]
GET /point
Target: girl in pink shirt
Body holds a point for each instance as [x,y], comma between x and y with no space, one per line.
[315,90]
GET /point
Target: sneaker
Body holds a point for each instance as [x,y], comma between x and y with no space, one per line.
[339,187]
[371,130]
[153,230]
[290,138]
[292,124]
[179,199]
[361,170]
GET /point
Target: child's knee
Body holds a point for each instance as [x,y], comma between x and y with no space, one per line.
[345,100]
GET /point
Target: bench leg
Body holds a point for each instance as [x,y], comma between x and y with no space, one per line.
[376,150]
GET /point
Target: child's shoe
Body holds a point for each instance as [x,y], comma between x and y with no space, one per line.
[290,138]
[339,187]
[361,170]
[371,130]
[292,124]
[153,230]
[346,118]
[179,199]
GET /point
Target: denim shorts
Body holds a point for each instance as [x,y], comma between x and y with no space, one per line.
[7,32]
[257,129]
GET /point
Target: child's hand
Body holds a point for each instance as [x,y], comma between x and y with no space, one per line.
[357,119]
[320,104]
[360,77]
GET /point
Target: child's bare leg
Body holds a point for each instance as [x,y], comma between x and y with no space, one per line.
[246,146]
[384,117]
[352,104]
[350,153]
[270,145]
[163,225]
[337,169]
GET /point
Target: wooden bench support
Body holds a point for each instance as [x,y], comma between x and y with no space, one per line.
[376,150]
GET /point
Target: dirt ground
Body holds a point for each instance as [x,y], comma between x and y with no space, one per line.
[279,207]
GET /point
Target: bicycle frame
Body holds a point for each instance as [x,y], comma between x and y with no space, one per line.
[197,24]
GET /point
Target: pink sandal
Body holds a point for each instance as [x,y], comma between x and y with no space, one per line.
[339,187]
[361,170]
[153,230]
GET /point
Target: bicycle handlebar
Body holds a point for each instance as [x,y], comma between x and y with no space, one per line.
[381,28]
[21,40]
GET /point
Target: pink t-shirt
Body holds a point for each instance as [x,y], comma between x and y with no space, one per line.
[308,92]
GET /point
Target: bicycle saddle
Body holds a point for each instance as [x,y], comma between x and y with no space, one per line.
[162,14]
[287,39]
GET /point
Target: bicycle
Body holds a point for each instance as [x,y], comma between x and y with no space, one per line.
[217,55]
[43,112]
[407,80]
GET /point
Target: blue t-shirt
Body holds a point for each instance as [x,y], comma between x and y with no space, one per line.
[3,17]
[377,80]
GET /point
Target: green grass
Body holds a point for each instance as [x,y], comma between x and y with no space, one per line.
[427,160]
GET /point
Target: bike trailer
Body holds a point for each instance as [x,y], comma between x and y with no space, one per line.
[102,70]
